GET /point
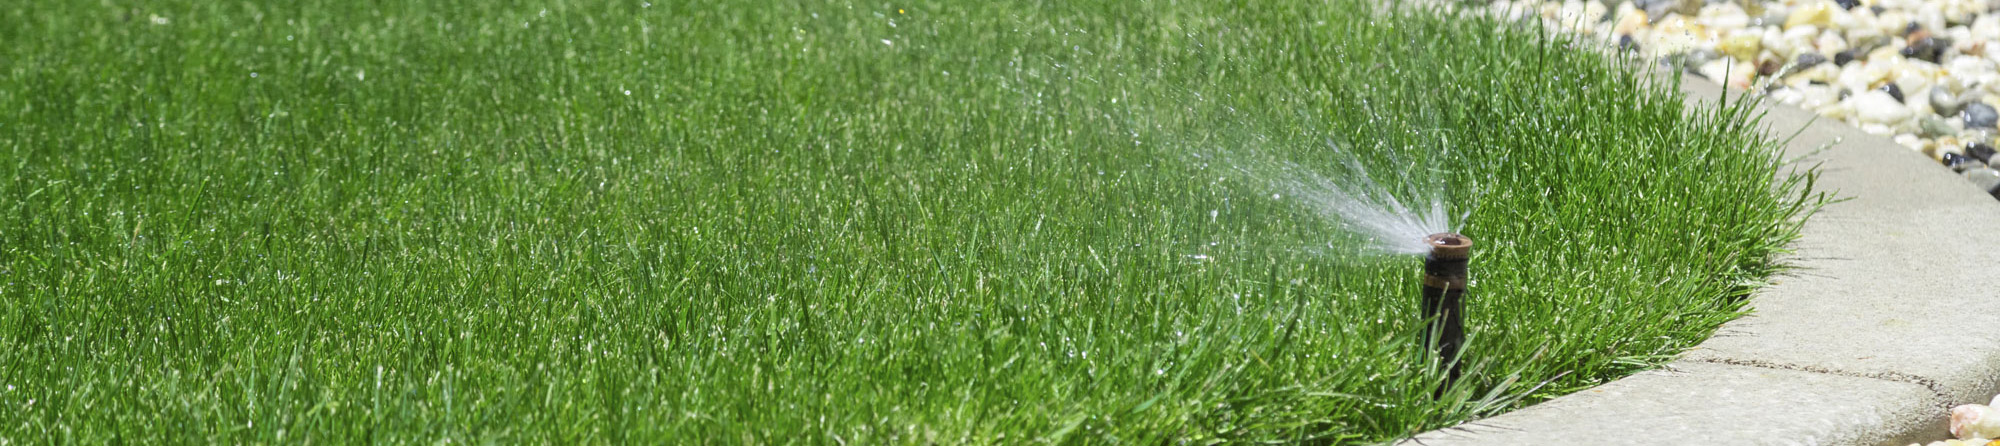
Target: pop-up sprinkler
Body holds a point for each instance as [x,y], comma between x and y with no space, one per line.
[1444,299]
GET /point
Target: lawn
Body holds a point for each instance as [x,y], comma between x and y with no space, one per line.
[739,221]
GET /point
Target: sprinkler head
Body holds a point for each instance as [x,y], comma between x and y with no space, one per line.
[1445,266]
[1449,245]
[1444,300]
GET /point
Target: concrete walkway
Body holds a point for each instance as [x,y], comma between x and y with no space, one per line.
[1893,316]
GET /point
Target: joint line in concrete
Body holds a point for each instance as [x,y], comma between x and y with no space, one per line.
[1940,398]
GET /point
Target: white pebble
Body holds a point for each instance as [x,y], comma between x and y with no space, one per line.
[1830,43]
[1907,140]
[1986,28]
[1816,96]
[1724,17]
[1878,107]
[1788,96]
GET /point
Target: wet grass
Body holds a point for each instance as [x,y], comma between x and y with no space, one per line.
[824,222]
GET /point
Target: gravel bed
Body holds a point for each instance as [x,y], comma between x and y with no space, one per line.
[1925,73]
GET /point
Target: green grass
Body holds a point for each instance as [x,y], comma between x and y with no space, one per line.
[738,221]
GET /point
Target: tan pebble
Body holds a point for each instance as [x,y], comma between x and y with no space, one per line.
[1975,49]
[1702,33]
[1670,36]
[1740,46]
[1741,74]
[1796,80]
[1938,151]
[1975,421]
[1825,73]
[1669,23]
[1630,21]
[1571,16]
[1771,57]
[1837,110]
[1916,36]
[1891,22]
[1752,8]
[1688,7]
[1948,142]
[1818,14]
[1887,54]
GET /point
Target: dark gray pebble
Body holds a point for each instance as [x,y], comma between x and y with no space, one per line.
[1893,91]
[1980,151]
[1808,60]
[1959,163]
[1926,49]
[1978,115]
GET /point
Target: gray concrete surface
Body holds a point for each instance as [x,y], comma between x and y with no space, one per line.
[1892,316]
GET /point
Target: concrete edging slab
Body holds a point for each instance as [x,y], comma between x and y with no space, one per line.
[1890,318]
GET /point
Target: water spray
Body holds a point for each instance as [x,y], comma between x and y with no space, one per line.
[1444,299]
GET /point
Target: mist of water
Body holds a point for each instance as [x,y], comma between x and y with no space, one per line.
[1392,224]
[1392,209]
